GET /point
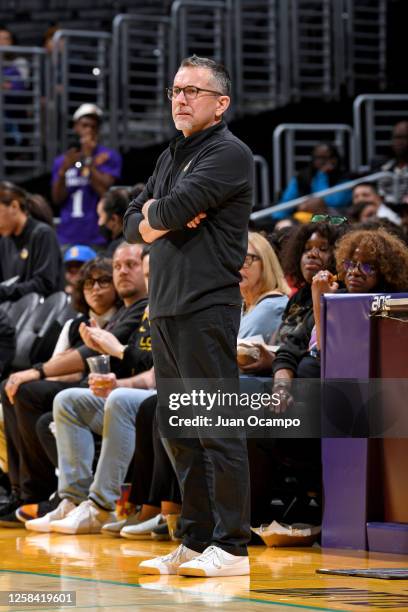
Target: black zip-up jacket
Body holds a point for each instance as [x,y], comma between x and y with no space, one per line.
[35,257]
[192,269]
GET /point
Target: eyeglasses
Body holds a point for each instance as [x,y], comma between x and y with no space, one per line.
[365,268]
[102,281]
[332,219]
[190,92]
[249,260]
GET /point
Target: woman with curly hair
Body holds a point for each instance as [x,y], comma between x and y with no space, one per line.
[367,261]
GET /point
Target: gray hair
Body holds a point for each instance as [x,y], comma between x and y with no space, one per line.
[219,72]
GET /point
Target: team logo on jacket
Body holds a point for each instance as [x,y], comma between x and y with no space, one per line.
[23,253]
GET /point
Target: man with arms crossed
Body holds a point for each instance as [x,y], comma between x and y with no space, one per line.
[194,211]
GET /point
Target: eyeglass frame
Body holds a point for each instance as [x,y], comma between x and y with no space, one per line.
[103,282]
[349,265]
[318,218]
[169,92]
[252,258]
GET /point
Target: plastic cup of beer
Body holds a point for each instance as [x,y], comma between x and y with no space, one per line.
[100,366]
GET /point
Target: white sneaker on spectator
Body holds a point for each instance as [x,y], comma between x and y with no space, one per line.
[86,518]
[142,531]
[114,529]
[168,564]
[215,561]
[44,522]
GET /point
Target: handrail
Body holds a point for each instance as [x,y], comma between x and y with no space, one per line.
[290,128]
[264,198]
[358,121]
[266,212]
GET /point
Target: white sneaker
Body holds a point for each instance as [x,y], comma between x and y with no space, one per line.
[44,522]
[168,564]
[85,518]
[215,561]
[114,529]
[142,531]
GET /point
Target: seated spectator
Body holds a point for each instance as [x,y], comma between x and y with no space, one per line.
[30,257]
[74,258]
[367,203]
[264,291]
[395,191]
[109,411]
[111,210]
[389,226]
[324,171]
[81,176]
[368,261]
[285,224]
[26,396]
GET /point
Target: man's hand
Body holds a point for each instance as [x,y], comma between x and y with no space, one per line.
[197,220]
[101,340]
[145,208]
[85,333]
[102,384]
[101,158]
[149,234]
[71,157]
[17,379]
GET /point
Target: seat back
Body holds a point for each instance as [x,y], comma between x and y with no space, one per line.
[19,312]
[35,341]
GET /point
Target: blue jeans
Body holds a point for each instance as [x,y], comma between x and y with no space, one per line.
[78,413]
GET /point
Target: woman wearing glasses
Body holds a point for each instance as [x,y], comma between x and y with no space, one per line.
[263,288]
[367,261]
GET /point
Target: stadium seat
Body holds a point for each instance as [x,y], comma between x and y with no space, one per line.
[21,310]
[36,339]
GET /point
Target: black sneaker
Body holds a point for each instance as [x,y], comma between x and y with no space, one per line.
[12,503]
[161,532]
[10,520]
[28,512]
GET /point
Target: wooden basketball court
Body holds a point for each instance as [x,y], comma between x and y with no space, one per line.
[103,573]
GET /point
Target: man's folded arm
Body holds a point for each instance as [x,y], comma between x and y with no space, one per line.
[214,179]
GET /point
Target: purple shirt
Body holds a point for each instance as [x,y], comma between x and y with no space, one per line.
[79,220]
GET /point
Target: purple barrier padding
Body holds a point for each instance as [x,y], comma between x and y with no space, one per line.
[346,354]
[388,537]
[346,331]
